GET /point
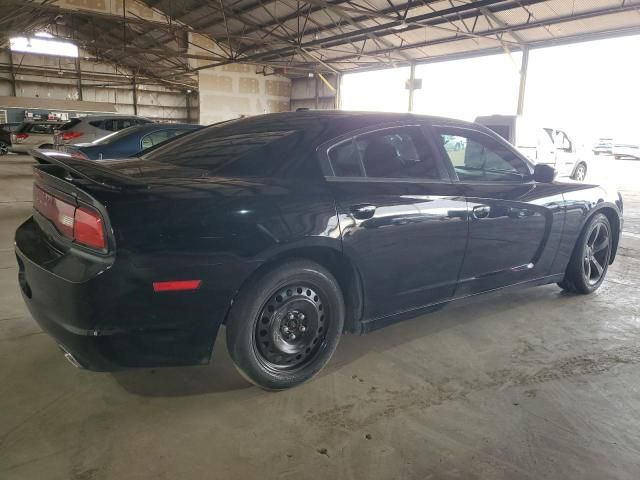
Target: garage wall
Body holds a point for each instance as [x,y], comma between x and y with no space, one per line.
[51,77]
[303,93]
[236,90]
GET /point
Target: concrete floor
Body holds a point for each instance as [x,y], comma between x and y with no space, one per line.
[526,384]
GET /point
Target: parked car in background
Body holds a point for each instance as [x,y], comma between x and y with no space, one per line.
[603,147]
[542,145]
[5,136]
[290,229]
[32,135]
[92,127]
[626,150]
[130,141]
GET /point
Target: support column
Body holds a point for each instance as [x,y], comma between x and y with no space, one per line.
[412,81]
[338,99]
[79,81]
[317,85]
[13,75]
[188,105]
[524,67]
[135,96]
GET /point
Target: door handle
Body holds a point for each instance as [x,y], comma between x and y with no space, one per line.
[363,212]
[481,211]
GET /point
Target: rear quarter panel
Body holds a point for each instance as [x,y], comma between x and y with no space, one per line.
[581,202]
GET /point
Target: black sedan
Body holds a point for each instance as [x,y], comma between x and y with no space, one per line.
[130,141]
[291,229]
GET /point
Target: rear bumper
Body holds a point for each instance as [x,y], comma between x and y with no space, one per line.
[108,317]
[20,148]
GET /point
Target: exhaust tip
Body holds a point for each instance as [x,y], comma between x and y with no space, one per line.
[70,358]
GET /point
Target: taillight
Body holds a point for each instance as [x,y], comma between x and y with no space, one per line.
[88,229]
[82,224]
[66,136]
[176,286]
[22,136]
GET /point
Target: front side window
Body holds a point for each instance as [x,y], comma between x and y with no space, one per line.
[479,157]
[391,153]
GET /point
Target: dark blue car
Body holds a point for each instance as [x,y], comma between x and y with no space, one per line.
[130,141]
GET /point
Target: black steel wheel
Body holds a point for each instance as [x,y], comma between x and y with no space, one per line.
[291,327]
[590,259]
[285,324]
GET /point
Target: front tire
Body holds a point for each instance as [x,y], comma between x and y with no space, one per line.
[590,259]
[4,148]
[285,324]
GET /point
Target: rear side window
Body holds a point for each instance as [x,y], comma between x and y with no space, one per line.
[43,128]
[123,123]
[345,160]
[70,124]
[115,124]
[401,152]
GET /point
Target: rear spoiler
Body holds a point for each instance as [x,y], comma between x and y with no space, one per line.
[85,169]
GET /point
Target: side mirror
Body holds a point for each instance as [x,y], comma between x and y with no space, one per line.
[544,173]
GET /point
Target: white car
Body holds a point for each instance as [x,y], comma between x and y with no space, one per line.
[626,150]
[545,145]
[90,128]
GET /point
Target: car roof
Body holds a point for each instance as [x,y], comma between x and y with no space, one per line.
[383,116]
[151,127]
[326,124]
[163,126]
[107,117]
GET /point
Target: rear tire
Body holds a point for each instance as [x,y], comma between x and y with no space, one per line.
[580,173]
[285,324]
[590,258]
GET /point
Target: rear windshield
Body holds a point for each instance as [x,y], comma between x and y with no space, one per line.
[33,127]
[229,149]
[70,124]
[10,127]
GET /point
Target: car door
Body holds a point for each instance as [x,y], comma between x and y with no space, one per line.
[565,154]
[399,216]
[515,223]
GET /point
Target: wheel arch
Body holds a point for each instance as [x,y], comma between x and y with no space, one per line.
[613,216]
[338,264]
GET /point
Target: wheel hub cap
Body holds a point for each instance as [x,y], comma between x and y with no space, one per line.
[596,253]
[291,327]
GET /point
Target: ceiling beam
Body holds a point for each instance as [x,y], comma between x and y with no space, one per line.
[435,18]
[501,30]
